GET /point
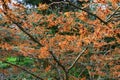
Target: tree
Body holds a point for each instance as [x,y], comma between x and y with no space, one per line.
[85,42]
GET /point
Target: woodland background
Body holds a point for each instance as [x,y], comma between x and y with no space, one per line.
[59,39]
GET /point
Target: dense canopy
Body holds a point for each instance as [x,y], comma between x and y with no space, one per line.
[60,40]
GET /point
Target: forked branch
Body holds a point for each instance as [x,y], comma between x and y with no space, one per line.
[60,64]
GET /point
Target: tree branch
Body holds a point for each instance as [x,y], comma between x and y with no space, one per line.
[60,64]
[72,4]
[75,61]
[19,25]
[31,37]
[23,70]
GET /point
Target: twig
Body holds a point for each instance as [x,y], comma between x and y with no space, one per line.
[60,64]
[82,72]
[75,61]
[23,69]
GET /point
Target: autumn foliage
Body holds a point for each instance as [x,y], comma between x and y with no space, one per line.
[85,40]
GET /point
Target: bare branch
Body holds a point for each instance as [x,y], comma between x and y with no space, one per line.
[75,61]
[23,70]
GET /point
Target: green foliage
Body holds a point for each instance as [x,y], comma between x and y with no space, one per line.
[3,65]
[12,60]
[109,39]
[53,30]
[25,61]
